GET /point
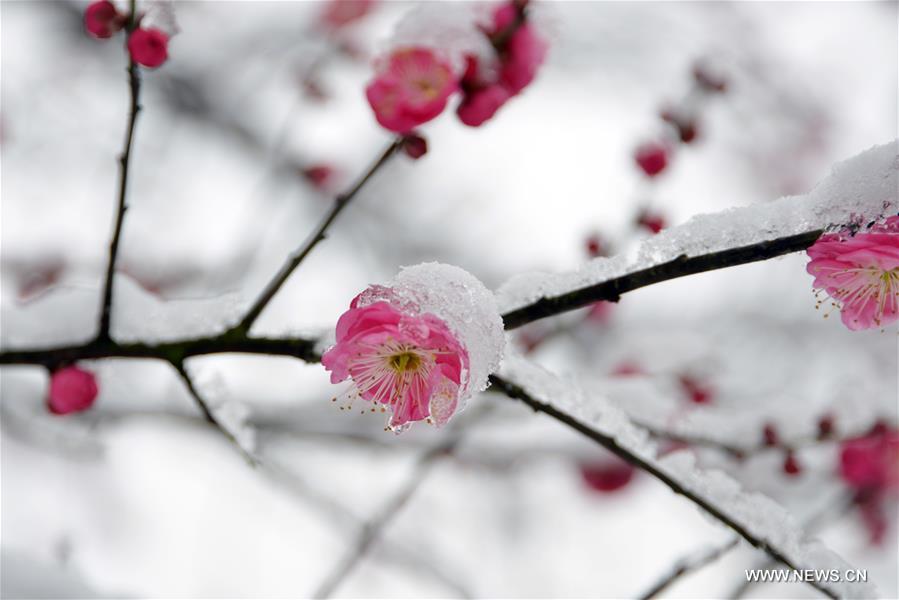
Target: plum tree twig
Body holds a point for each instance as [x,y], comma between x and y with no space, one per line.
[319,234]
[122,205]
[514,391]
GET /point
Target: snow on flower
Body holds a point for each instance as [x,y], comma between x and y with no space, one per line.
[411,87]
[860,272]
[72,389]
[437,52]
[418,347]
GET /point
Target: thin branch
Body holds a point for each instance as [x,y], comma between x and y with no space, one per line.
[612,289]
[210,416]
[319,234]
[174,351]
[237,340]
[816,523]
[517,392]
[740,452]
[689,565]
[124,163]
[373,528]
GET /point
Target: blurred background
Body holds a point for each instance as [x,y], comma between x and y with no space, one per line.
[249,129]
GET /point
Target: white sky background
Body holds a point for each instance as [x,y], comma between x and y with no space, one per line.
[138,497]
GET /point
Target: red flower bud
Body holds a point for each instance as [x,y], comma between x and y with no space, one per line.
[71,390]
[148,47]
[102,20]
[652,158]
[608,475]
[415,146]
[791,465]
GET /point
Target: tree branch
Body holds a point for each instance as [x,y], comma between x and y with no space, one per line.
[612,289]
[124,163]
[210,416]
[314,238]
[689,565]
[173,352]
[609,443]
[373,528]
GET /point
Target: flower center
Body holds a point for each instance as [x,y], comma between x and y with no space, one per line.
[405,361]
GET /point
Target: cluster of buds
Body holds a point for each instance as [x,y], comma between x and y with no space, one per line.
[147,45]
[681,120]
[413,84]
[771,439]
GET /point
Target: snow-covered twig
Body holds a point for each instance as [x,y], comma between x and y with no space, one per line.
[857,191]
[753,517]
[611,290]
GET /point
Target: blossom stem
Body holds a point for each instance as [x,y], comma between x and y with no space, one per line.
[124,163]
[319,234]
[514,391]
[612,289]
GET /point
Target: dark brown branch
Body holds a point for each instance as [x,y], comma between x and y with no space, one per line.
[210,416]
[612,289]
[609,443]
[172,352]
[314,238]
[124,163]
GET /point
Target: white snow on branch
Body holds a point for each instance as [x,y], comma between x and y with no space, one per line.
[858,190]
[761,516]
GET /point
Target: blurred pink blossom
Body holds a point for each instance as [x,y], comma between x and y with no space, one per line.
[411,88]
[102,20]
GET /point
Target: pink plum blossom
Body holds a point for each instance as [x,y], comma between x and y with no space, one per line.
[411,364]
[411,88]
[480,105]
[524,54]
[148,47]
[519,53]
[860,272]
[869,465]
[872,460]
[72,390]
[102,20]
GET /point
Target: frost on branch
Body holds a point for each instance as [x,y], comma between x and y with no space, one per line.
[861,189]
[763,518]
[420,346]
